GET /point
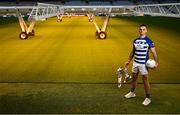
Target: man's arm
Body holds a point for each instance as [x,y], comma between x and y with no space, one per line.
[130,57]
[154,55]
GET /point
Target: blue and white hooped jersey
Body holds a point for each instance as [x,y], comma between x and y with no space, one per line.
[141,49]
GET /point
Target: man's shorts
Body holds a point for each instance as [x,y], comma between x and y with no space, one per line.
[136,68]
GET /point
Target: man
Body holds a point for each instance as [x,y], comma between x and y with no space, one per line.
[141,47]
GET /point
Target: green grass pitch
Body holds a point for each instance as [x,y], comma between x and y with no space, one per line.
[64,68]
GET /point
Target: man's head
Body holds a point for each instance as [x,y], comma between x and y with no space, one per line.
[142,29]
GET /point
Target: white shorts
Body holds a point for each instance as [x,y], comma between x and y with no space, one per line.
[136,68]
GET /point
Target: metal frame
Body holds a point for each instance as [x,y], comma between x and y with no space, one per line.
[59,18]
[169,10]
[26,31]
[90,16]
[101,32]
[43,11]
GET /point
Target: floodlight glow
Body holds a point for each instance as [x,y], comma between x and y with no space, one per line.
[72,9]
[83,9]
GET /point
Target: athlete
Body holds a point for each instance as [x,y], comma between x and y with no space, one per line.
[141,48]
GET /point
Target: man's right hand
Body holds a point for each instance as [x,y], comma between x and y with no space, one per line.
[127,63]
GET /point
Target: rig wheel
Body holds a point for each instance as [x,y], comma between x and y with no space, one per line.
[23,36]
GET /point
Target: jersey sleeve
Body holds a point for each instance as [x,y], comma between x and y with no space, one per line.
[151,43]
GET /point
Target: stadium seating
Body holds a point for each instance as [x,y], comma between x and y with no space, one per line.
[83,2]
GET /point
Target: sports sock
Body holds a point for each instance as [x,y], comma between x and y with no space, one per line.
[148,95]
[132,89]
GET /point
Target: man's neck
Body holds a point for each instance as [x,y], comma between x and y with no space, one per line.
[142,36]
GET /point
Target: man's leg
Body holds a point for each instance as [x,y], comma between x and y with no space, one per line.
[147,100]
[133,86]
[146,85]
[134,81]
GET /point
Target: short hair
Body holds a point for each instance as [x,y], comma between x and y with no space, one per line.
[143,25]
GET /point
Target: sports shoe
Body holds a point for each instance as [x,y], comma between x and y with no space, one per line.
[130,95]
[146,102]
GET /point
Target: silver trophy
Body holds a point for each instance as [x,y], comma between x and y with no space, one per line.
[123,72]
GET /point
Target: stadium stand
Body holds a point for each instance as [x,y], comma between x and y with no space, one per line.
[155,1]
[83,2]
[123,2]
[75,3]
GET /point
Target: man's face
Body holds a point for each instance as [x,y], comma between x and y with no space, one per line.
[142,30]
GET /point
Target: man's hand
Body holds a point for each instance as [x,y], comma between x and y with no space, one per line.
[127,63]
[155,56]
[156,65]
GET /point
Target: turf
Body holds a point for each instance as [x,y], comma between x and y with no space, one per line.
[85,98]
[66,69]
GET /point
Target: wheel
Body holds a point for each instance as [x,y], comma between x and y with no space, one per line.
[102,35]
[23,36]
[32,33]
